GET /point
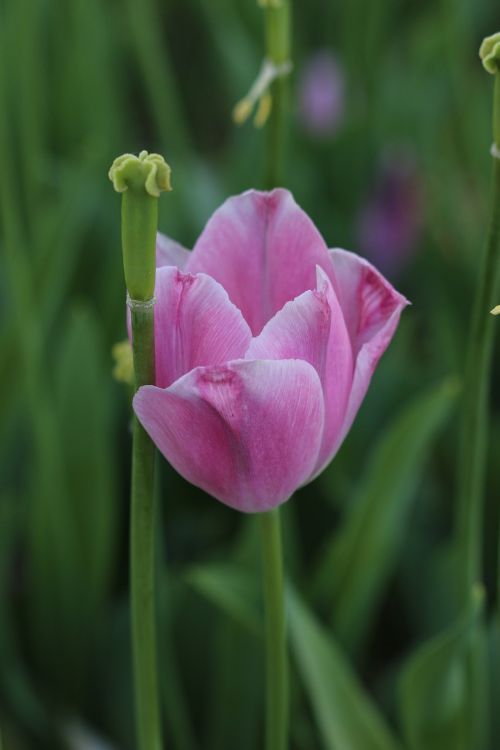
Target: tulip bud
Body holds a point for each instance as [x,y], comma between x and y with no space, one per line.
[496,310]
[123,369]
[489,53]
[140,179]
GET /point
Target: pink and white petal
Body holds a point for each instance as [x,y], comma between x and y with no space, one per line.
[372,308]
[338,378]
[367,299]
[195,324]
[170,253]
[300,330]
[263,249]
[247,432]
[312,328]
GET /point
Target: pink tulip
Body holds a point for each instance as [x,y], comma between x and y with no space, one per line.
[266,342]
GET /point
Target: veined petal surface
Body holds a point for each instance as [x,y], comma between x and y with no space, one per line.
[312,328]
[372,308]
[195,324]
[263,249]
[169,252]
[248,432]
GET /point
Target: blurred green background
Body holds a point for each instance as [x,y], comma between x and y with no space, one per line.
[388,152]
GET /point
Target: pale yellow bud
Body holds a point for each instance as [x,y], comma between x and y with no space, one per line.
[242,111]
[263,110]
[123,370]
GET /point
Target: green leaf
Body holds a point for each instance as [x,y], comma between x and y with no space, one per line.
[439,708]
[73,528]
[84,417]
[16,689]
[231,588]
[346,717]
[237,679]
[494,669]
[359,559]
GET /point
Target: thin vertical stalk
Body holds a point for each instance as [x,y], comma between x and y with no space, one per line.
[277,697]
[278,51]
[140,180]
[142,548]
[474,427]
[276,651]
[153,59]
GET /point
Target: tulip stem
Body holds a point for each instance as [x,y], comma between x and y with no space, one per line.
[142,548]
[474,428]
[278,51]
[276,650]
[140,180]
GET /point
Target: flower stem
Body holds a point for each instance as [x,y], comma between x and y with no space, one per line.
[276,652]
[474,427]
[278,51]
[140,180]
[142,549]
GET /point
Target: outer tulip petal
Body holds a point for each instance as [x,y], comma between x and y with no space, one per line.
[312,328]
[169,252]
[263,249]
[195,324]
[247,432]
[372,308]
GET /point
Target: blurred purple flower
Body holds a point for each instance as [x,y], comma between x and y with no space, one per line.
[389,224]
[321,94]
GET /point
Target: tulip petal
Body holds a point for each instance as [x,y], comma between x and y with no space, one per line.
[263,249]
[312,328]
[372,308]
[247,432]
[169,252]
[195,324]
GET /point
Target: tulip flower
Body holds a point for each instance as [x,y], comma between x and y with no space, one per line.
[266,342]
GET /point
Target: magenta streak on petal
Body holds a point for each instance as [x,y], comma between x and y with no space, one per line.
[372,308]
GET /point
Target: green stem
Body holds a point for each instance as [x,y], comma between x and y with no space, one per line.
[140,180]
[142,548]
[276,652]
[474,428]
[278,51]
[496,111]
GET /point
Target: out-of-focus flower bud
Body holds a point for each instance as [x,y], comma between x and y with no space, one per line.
[389,223]
[321,94]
